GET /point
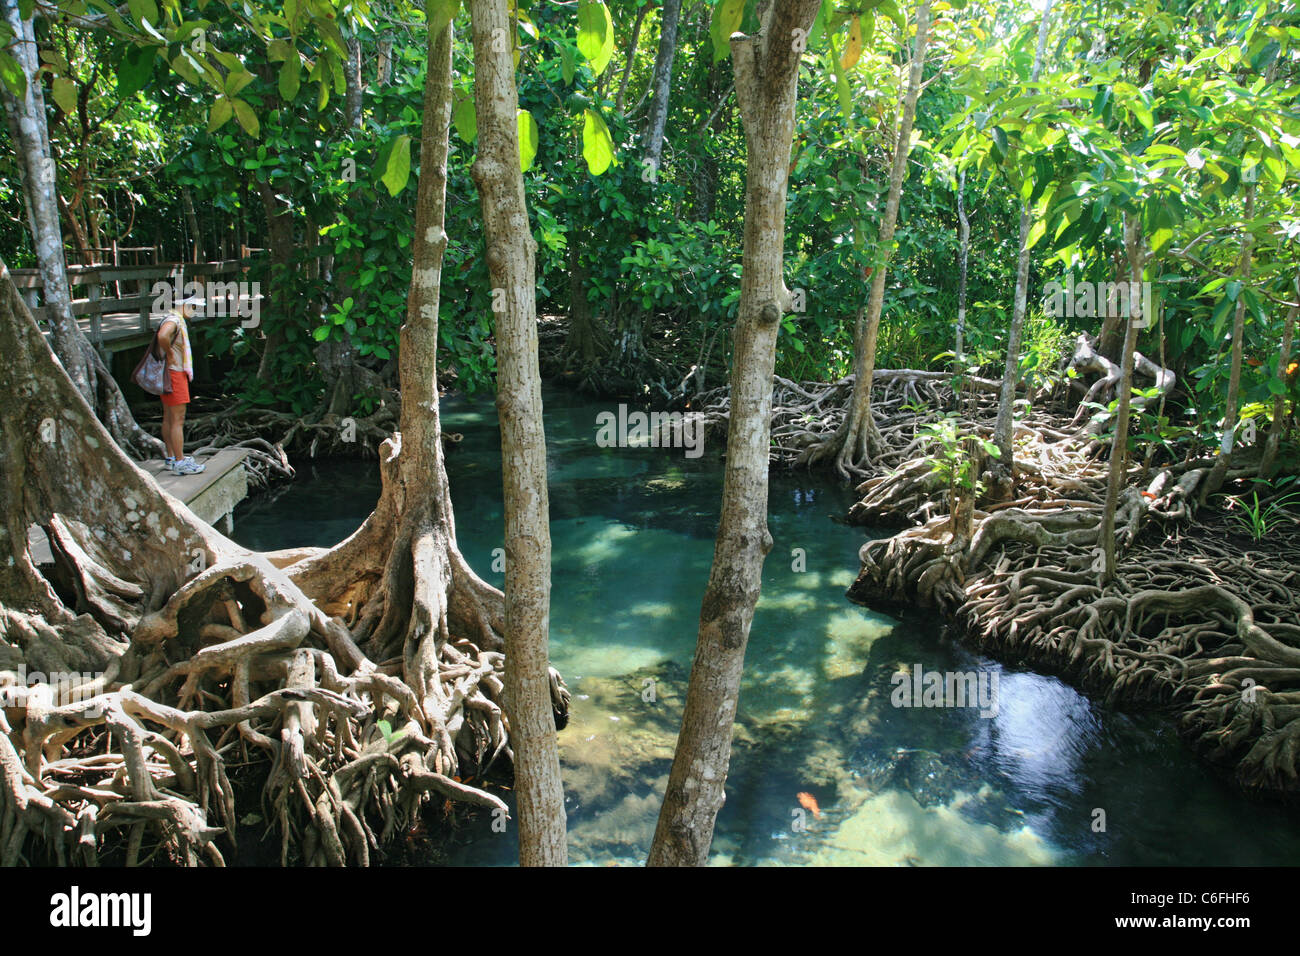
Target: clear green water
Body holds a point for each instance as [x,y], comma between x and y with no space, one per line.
[632,532]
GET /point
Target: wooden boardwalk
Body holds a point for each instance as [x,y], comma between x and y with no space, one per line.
[212,494]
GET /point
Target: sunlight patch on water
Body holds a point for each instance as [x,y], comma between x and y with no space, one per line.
[892,829]
[850,635]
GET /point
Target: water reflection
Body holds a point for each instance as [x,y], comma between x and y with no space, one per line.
[632,531]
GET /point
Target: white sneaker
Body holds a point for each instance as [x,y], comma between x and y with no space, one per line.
[187,466]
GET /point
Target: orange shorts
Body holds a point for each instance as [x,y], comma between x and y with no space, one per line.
[180,393]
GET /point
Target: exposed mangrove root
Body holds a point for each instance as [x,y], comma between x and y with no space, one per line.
[359,681]
[1202,622]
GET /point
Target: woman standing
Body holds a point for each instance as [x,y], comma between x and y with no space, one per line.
[174,338]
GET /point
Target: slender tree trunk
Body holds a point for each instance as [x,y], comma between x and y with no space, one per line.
[1119,445]
[857,440]
[1274,439]
[192,221]
[767,68]
[279,228]
[1214,481]
[964,238]
[631,58]
[30,134]
[1004,427]
[510,258]
[661,81]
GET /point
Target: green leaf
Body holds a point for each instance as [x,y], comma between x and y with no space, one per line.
[236,80]
[568,67]
[12,75]
[463,116]
[595,34]
[444,11]
[290,78]
[143,10]
[321,334]
[727,15]
[219,114]
[26,8]
[65,94]
[247,118]
[134,70]
[527,138]
[398,168]
[597,145]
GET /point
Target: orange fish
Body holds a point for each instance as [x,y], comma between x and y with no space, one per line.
[809,802]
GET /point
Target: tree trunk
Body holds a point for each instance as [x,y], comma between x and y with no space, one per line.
[857,440]
[586,341]
[279,229]
[766,68]
[1274,439]
[1004,427]
[1119,445]
[964,238]
[630,58]
[661,81]
[510,259]
[30,134]
[192,222]
[1214,481]
[352,85]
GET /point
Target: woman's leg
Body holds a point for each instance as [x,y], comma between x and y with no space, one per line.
[173,420]
[178,430]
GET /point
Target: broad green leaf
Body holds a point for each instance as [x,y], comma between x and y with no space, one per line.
[134,70]
[237,80]
[727,15]
[1160,238]
[143,11]
[290,78]
[26,8]
[219,114]
[65,94]
[567,65]
[595,34]
[527,138]
[247,118]
[184,68]
[597,145]
[892,10]
[398,168]
[12,75]
[444,11]
[463,116]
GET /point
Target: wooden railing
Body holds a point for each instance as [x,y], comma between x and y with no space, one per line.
[92,282]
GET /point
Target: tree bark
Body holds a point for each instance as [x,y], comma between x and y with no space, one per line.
[510,259]
[661,81]
[1274,439]
[964,239]
[1214,481]
[857,440]
[1003,428]
[767,70]
[1119,444]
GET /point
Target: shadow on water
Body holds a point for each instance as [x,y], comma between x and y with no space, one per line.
[1044,777]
